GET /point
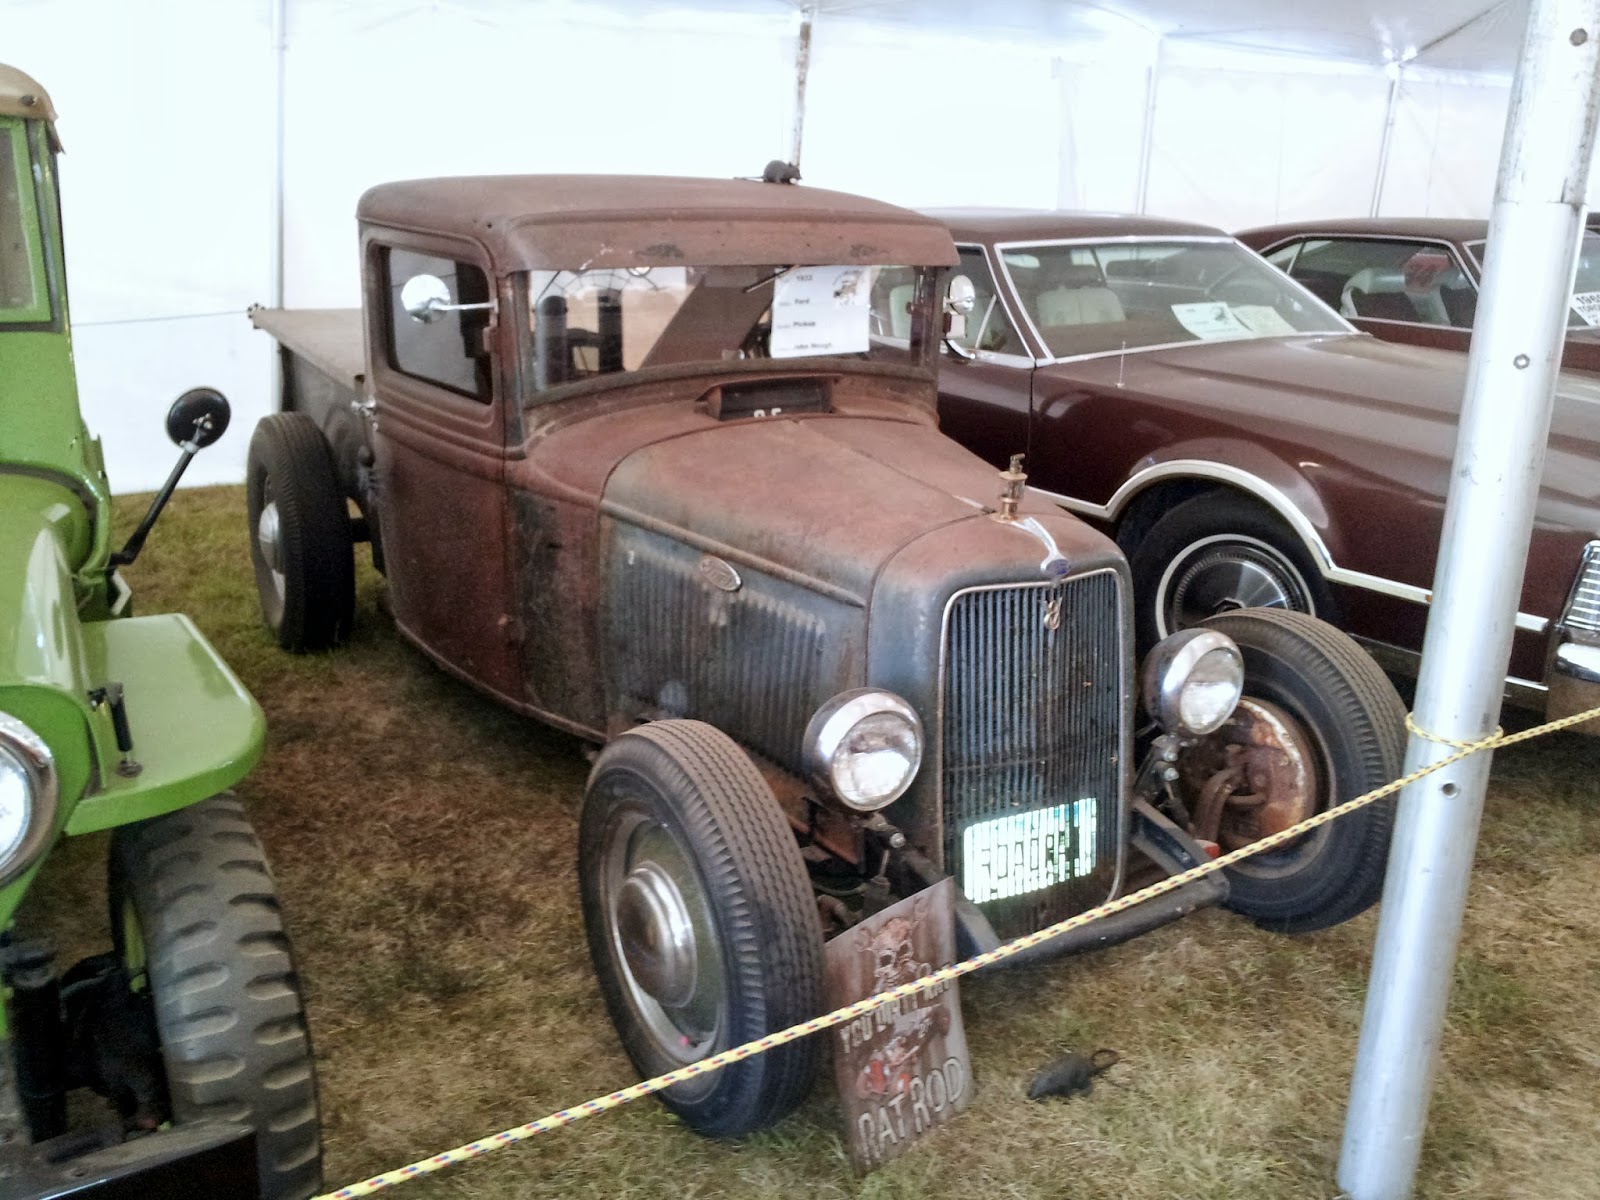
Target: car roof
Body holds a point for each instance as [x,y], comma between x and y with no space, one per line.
[1025,225]
[1448,229]
[529,222]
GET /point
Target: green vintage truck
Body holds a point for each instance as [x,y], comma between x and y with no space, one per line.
[192,1024]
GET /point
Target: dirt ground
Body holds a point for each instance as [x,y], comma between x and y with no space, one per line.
[424,844]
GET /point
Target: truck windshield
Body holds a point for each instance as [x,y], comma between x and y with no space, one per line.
[1088,298]
[589,323]
[23,296]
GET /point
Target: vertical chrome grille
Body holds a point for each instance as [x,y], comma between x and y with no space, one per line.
[1033,715]
[1583,607]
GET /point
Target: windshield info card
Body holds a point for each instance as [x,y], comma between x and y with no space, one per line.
[821,310]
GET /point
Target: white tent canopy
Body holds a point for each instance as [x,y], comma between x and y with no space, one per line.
[1235,112]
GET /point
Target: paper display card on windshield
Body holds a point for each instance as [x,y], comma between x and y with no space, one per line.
[1587,306]
[1210,320]
[821,310]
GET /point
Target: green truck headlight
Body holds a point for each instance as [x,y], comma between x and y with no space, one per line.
[27,796]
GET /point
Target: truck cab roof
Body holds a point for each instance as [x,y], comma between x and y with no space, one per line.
[528,222]
[21,96]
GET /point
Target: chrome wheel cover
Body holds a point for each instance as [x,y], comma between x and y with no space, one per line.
[663,939]
[1224,573]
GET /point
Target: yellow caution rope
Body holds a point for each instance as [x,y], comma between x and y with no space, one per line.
[839,1016]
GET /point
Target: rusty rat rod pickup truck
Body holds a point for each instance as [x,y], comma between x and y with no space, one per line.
[656,461]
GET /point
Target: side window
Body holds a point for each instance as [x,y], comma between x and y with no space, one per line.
[448,351]
[22,297]
[987,325]
[1283,257]
[1419,283]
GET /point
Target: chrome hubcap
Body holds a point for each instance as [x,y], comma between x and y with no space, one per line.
[657,935]
[1223,573]
[663,937]
[267,539]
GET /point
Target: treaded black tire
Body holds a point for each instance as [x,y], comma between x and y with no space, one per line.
[1220,515]
[1356,724]
[696,782]
[228,1008]
[290,466]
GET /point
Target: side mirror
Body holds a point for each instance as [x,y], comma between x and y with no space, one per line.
[198,418]
[426,298]
[959,300]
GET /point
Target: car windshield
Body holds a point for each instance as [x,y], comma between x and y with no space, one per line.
[588,323]
[1088,298]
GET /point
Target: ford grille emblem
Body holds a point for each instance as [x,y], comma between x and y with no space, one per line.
[719,574]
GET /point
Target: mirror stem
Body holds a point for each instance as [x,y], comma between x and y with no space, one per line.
[135,543]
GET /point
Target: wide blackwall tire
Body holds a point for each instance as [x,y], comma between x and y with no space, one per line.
[701,921]
[195,920]
[1311,690]
[300,539]
[1219,552]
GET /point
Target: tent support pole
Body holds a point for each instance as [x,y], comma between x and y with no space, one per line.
[802,67]
[280,51]
[1511,376]
[1147,138]
[1397,73]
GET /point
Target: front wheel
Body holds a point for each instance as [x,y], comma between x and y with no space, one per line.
[1319,724]
[701,921]
[1220,552]
[196,924]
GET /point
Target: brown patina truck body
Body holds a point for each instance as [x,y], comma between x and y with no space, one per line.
[644,470]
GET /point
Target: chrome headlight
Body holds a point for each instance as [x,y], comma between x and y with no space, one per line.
[863,748]
[1192,681]
[27,796]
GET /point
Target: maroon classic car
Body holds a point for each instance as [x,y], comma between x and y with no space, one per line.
[1248,446]
[1415,279]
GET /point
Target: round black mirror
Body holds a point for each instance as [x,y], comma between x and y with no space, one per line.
[199,416]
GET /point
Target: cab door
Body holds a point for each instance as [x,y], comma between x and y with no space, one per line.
[984,399]
[440,452]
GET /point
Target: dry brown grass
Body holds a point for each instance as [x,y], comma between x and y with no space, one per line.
[424,843]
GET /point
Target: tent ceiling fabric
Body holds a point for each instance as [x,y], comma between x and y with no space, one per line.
[1462,35]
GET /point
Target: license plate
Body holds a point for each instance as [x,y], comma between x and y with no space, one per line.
[1011,856]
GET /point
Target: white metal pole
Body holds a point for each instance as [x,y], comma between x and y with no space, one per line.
[802,68]
[1505,421]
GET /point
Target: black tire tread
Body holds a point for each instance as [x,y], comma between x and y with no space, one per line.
[750,860]
[1367,715]
[228,1003]
[314,529]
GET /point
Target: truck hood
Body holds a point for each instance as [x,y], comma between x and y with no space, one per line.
[829,499]
[1364,391]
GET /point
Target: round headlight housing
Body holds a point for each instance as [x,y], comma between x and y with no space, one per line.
[1192,681]
[27,796]
[863,748]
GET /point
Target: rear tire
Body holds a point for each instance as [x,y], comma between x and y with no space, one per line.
[701,921]
[195,920]
[300,539]
[1348,714]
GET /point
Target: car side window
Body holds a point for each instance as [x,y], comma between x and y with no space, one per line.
[988,328]
[449,350]
[1386,279]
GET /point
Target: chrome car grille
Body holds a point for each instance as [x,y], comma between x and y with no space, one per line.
[1583,608]
[1033,719]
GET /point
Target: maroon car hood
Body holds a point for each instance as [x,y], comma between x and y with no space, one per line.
[1359,390]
